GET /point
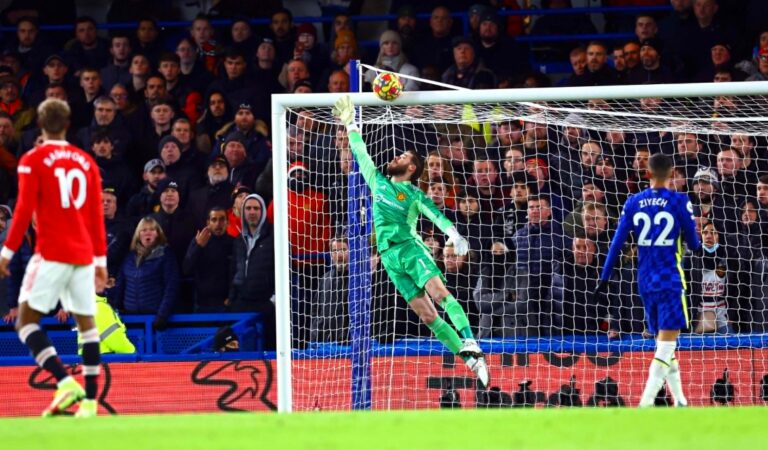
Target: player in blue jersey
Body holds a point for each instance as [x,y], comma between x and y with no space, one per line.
[659,219]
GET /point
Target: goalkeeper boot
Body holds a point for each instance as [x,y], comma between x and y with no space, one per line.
[87,408]
[480,369]
[470,349]
[68,393]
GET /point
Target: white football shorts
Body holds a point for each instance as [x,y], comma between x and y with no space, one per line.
[47,282]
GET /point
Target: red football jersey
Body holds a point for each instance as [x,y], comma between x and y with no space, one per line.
[61,185]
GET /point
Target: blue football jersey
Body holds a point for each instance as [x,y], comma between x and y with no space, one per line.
[660,220]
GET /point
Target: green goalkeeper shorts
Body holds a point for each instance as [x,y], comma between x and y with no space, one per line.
[409,266]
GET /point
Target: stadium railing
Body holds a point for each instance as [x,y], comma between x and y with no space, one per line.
[187,334]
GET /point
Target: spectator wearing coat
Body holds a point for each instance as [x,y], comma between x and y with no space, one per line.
[148,280]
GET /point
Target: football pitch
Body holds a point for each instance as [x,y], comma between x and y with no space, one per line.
[581,428]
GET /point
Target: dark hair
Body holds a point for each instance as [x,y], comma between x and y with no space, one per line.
[600,43]
[100,135]
[217,209]
[169,57]
[202,16]
[645,14]
[31,19]
[91,70]
[285,11]
[233,53]
[120,35]
[708,223]
[85,19]
[540,198]
[55,84]
[149,19]
[164,102]
[763,179]
[660,165]
[418,161]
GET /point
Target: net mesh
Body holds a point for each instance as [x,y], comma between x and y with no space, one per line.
[537,189]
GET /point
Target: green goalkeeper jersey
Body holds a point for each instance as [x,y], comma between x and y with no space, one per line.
[396,206]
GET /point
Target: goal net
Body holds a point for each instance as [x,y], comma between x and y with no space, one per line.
[535,180]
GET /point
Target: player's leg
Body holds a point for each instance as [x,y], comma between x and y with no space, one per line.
[425,309]
[440,294]
[666,317]
[91,358]
[675,383]
[427,312]
[443,297]
[30,333]
[43,282]
[80,299]
[400,264]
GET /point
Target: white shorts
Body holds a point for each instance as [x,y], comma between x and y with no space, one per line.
[47,282]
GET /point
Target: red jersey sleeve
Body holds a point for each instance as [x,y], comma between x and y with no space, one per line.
[96,218]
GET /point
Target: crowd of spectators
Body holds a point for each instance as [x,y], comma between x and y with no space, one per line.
[179,122]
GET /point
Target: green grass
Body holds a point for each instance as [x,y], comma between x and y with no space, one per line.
[609,429]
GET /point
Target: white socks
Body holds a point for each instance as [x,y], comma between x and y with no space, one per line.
[657,373]
[675,385]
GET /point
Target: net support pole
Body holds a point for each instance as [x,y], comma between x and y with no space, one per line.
[282,259]
[359,276]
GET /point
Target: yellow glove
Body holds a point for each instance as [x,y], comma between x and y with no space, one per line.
[344,110]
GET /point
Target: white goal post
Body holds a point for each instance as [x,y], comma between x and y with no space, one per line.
[283,104]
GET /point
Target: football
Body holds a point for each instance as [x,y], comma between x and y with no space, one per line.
[387,86]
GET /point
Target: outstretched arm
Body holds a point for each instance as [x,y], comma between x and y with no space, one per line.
[455,240]
[344,110]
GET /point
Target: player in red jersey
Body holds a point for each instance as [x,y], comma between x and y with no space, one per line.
[60,186]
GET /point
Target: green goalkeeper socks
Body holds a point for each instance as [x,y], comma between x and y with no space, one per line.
[446,334]
[458,317]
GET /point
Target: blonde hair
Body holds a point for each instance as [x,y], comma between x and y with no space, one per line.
[53,116]
[136,241]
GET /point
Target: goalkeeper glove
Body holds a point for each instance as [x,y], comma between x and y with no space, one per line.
[459,244]
[344,110]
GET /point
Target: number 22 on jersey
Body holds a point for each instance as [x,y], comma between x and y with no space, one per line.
[646,222]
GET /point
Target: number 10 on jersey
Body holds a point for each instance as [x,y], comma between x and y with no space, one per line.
[66,180]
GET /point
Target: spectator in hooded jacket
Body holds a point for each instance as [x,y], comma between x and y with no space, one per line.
[149,277]
[253,281]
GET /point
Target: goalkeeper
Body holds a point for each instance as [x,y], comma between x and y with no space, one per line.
[397,203]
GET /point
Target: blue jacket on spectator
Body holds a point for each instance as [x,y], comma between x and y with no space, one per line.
[149,287]
[538,246]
